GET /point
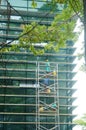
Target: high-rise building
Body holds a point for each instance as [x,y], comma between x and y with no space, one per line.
[35,91]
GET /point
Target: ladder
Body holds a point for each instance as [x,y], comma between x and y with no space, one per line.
[47,97]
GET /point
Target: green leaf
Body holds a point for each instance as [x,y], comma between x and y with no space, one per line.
[34,4]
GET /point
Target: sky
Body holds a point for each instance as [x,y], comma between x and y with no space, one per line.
[80,77]
[81,80]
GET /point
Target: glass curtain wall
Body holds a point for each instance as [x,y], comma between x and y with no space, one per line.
[19,88]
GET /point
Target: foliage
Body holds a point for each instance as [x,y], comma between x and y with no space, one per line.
[49,6]
[83,67]
[55,36]
[76,5]
[34,4]
[81,121]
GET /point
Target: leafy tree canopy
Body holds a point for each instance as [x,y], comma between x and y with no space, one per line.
[81,121]
[57,34]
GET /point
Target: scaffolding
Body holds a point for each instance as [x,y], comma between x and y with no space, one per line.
[47,97]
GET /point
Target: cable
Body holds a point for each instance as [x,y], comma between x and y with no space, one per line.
[33,26]
[15,10]
[26,32]
[8,17]
[9,7]
[32,30]
[22,35]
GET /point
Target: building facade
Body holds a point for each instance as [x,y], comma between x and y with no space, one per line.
[35,91]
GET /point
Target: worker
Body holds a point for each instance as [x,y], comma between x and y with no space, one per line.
[48,70]
[54,73]
[41,109]
[54,106]
[47,90]
[46,81]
